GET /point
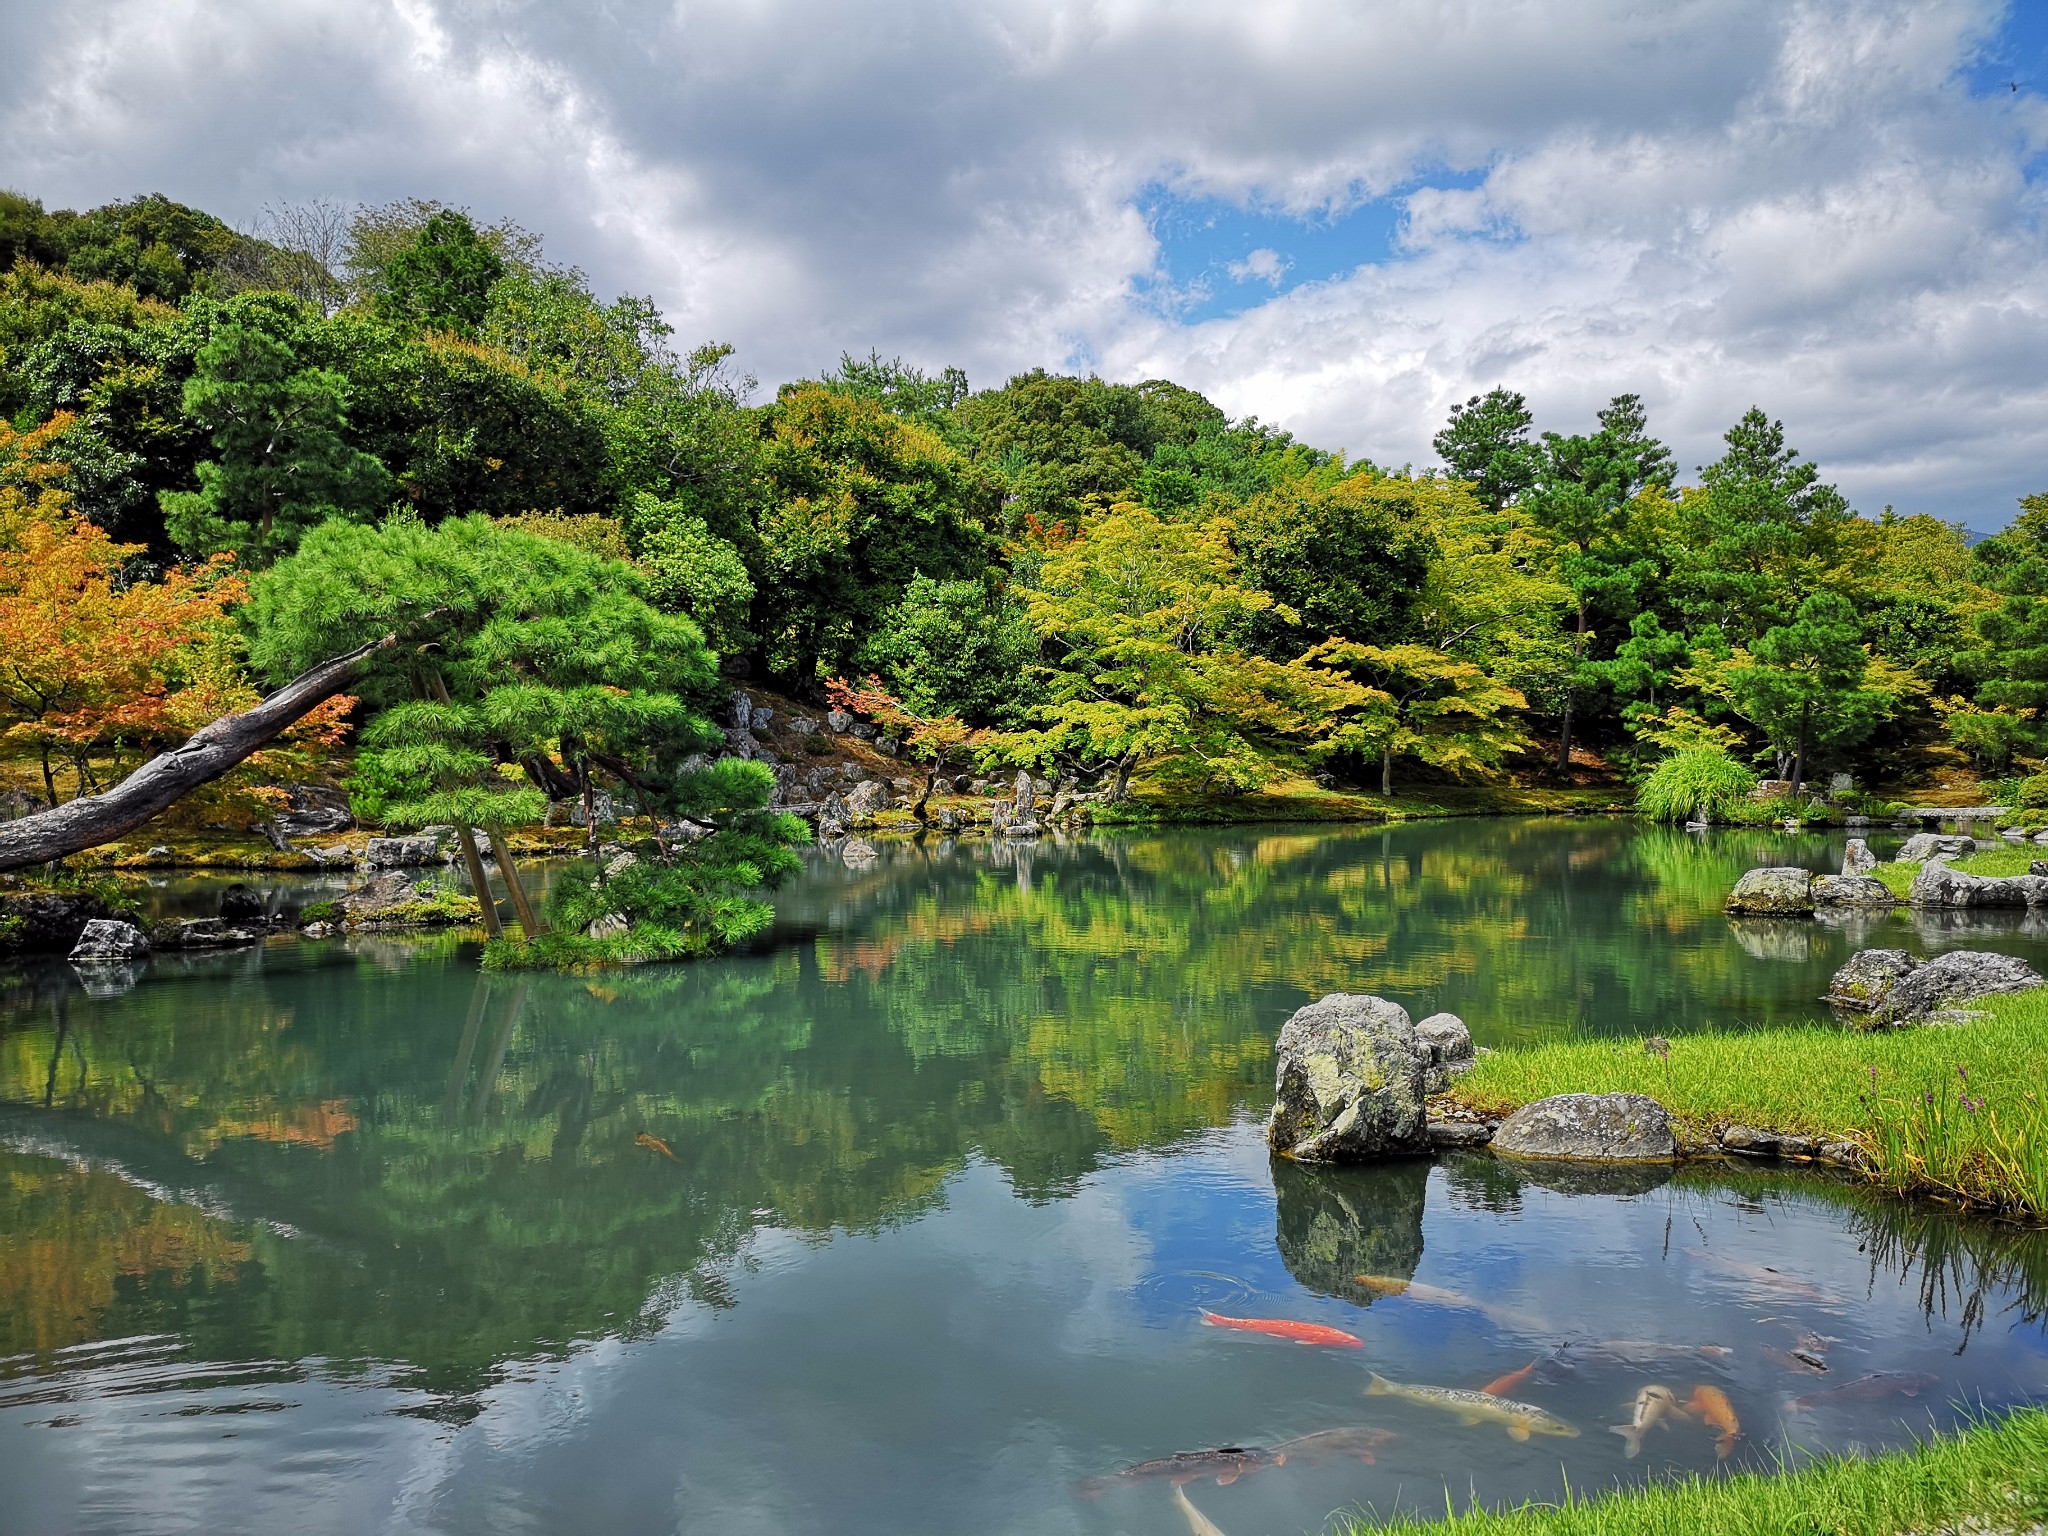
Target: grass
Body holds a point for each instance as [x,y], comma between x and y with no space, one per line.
[1954,1111]
[2013,860]
[1302,800]
[1996,1472]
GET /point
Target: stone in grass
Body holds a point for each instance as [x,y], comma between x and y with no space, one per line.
[1350,1083]
[1590,1127]
[1922,846]
[1954,977]
[1869,974]
[1775,892]
[110,939]
[1851,891]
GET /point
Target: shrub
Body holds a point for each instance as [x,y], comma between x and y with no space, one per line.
[2033,793]
[1697,784]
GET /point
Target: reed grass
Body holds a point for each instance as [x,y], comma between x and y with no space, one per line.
[1989,1477]
[1951,1110]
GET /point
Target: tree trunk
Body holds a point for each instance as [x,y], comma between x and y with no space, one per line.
[514,886]
[1564,737]
[159,783]
[1387,771]
[1799,753]
[1121,785]
[480,882]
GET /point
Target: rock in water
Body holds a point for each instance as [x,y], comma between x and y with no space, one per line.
[1851,891]
[1857,859]
[1590,1127]
[1922,846]
[1350,1083]
[1027,797]
[1778,892]
[1955,977]
[1868,976]
[239,904]
[108,938]
[1448,1044]
[1939,886]
[867,798]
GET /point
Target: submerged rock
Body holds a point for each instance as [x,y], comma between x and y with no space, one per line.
[1939,886]
[1590,1127]
[108,938]
[1851,891]
[1350,1082]
[1774,892]
[1954,977]
[1864,980]
[1857,859]
[205,933]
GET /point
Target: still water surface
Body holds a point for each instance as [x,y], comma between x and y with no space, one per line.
[905,1222]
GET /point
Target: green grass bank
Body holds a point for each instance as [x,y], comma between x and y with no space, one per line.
[1990,1478]
[1952,1111]
[2013,860]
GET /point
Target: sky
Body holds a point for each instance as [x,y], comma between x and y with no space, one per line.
[1341,218]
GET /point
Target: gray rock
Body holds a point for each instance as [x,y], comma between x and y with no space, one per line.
[1774,892]
[204,933]
[1447,1135]
[839,722]
[889,746]
[863,730]
[315,810]
[803,726]
[947,819]
[999,816]
[2038,867]
[1937,885]
[1857,859]
[108,938]
[1863,982]
[742,710]
[2041,836]
[1851,891]
[1448,1047]
[1922,846]
[401,852]
[866,799]
[1752,1142]
[157,851]
[1854,821]
[1025,828]
[1954,977]
[398,899]
[962,784]
[1026,795]
[602,808]
[618,863]
[240,904]
[1590,1127]
[1350,1082]
[613,924]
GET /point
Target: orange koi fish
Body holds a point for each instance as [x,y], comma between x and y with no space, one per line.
[655,1144]
[1280,1328]
[1711,1405]
[1502,1386]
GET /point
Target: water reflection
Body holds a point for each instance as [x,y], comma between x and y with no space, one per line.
[904,1222]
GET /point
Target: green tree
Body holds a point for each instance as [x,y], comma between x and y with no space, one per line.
[1414,701]
[958,648]
[279,429]
[1340,557]
[442,280]
[2015,632]
[692,570]
[1809,685]
[1486,443]
[1759,533]
[1583,500]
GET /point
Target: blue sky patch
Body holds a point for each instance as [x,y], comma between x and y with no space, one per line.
[1220,258]
[2015,60]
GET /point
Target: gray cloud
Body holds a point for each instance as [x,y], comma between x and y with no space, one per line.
[1710,203]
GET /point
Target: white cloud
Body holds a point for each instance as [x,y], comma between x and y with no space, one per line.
[1711,202]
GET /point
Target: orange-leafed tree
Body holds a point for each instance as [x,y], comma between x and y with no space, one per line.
[96,666]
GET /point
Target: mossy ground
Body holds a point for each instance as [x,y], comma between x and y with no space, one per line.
[1992,1475]
[2012,860]
[1954,1110]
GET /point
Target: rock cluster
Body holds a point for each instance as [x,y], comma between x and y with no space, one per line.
[1893,987]
[1784,891]
[1939,886]
[1922,846]
[1353,1073]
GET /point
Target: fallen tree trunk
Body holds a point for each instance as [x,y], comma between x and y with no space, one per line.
[159,783]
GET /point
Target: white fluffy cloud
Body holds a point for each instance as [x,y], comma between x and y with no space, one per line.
[1796,204]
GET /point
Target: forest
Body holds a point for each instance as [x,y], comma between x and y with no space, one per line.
[547,537]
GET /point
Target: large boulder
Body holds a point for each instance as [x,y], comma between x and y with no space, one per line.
[402,852]
[43,922]
[1851,891]
[1350,1083]
[1448,1051]
[1857,859]
[1939,886]
[1954,977]
[1590,1127]
[110,939]
[397,900]
[1778,892]
[1868,976]
[866,799]
[1922,846]
[1027,796]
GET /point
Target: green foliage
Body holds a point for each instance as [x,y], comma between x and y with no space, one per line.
[321,912]
[279,428]
[375,784]
[958,648]
[1486,444]
[2015,632]
[442,280]
[1699,784]
[2033,792]
[164,250]
[692,570]
[1340,557]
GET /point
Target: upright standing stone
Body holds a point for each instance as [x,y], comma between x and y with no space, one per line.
[1350,1084]
[1858,859]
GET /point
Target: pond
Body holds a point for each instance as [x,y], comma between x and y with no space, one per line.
[907,1220]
